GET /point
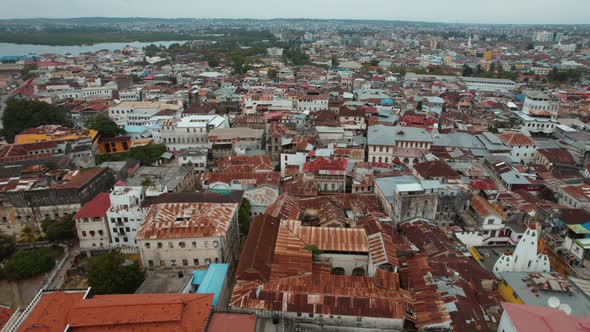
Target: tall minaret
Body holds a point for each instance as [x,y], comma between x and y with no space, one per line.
[469,41]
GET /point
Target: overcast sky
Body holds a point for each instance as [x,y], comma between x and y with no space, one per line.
[470,11]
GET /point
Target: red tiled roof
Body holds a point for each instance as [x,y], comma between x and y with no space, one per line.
[557,155]
[226,322]
[516,139]
[96,208]
[435,169]
[134,312]
[321,165]
[246,164]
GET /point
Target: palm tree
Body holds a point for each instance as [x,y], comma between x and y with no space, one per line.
[28,235]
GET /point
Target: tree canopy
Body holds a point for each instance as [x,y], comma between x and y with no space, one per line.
[28,263]
[6,245]
[111,273]
[147,154]
[59,230]
[105,126]
[21,114]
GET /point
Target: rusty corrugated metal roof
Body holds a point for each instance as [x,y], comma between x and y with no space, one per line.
[186,220]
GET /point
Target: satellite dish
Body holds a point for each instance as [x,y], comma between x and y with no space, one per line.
[553,302]
[565,308]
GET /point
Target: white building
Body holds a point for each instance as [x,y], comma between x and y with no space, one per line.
[125,215]
[260,198]
[292,160]
[387,144]
[489,84]
[523,148]
[189,132]
[312,103]
[525,258]
[91,223]
[139,113]
[539,113]
[87,93]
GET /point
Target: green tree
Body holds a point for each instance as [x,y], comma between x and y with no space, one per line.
[315,251]
[28,263]
[467,71]
[151,50]
[60,230]
[419,105]
[272,73]
[335,62]
[147,154]
[6,246]
[28,235]
[20,114]
[105,126]
[244,217]
[26,73]
[112,273]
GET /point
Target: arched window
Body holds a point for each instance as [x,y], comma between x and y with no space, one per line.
[338,271]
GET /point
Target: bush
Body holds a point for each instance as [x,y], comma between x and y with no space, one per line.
[28,263]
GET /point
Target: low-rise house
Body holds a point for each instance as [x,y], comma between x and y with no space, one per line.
[189,132]
[397,144]
[223,142]
[406,197]
[577,197]
[554,158]
[92,224]
[189,234]
[329,174]
[522,147]
[28,201]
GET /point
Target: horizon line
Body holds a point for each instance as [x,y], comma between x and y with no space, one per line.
[286,18]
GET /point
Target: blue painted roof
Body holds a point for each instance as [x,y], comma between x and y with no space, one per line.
[198,276]
[135,129]
[214,280]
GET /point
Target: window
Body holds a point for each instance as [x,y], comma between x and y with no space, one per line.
[185,262]
[196,261]
[170,245]
[194,244]
[216,260]
[181,244]
[100,232]
[173,262]
[84,233]
[147,245]
[150,263]
[159,245]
